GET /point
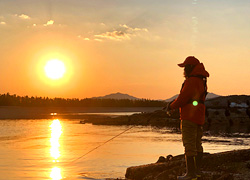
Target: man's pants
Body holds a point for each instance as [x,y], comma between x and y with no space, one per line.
[191,137]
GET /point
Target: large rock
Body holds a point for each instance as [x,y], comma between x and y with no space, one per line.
[232,165]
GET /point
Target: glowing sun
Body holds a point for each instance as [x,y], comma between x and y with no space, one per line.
[54,69]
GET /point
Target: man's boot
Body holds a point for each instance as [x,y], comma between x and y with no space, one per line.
[190,169]
[198,161]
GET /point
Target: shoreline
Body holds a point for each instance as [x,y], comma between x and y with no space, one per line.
[216,123]
[20,112]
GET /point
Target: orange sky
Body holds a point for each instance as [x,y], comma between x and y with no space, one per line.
[131,47]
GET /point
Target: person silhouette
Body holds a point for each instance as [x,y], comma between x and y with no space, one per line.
[192,114]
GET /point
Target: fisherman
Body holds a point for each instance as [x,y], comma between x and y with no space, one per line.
[192,114]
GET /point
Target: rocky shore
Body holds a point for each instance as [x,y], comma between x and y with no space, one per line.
[224,115]
[232,165]
[217,121]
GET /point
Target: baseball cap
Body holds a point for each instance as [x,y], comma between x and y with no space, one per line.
[189,60]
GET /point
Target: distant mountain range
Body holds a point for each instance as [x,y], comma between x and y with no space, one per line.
[119,95]
[209,96]
[116,96]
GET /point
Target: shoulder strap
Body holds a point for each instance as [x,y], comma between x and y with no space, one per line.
[200,100]
[182,85]
[204,83]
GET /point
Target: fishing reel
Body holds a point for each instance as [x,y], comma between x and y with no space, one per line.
[167,109]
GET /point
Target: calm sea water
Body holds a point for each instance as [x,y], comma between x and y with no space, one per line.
[49,149]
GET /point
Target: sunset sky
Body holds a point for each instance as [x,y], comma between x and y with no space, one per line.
[127,46]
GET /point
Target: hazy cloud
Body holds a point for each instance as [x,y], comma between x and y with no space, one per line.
[84,38]
[115,35]
[49,23]
[99,40]
[124,33]
[23,16]
[130,29]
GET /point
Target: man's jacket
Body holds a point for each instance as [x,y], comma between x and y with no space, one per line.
[193,90]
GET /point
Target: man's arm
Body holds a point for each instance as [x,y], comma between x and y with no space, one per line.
[185,95]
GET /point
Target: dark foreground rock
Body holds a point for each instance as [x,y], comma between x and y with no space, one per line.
[232,165]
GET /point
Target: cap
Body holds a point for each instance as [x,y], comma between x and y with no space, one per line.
[189,60]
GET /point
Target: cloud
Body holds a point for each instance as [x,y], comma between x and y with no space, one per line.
[121,33]
[3,23]
[99,40]
[115,35]
[85,39]
[130,29]
[49,23]
[124,33]
[23,16]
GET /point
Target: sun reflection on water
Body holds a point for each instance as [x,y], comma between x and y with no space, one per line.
[56,131]
[56,173]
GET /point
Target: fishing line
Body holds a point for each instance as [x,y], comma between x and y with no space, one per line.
[101,144]
[107,141]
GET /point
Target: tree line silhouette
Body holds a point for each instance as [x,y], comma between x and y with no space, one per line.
[15,100]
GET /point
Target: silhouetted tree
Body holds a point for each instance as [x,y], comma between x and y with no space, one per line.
[14,100]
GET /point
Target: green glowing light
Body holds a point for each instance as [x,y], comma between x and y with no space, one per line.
[195,103]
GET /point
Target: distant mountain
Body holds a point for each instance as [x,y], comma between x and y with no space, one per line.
[212,95]
[117,96]
[209,96]
[172,98]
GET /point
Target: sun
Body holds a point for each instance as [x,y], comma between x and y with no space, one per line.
[54,69]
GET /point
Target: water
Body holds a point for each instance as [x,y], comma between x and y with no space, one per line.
[46,149]
[103,114]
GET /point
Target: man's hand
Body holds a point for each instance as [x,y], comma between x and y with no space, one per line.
[168,109]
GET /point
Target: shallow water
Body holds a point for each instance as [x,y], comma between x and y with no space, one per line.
[50,149]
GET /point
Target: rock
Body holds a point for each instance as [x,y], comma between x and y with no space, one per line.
[161,159]
[169,157]
[231,165]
